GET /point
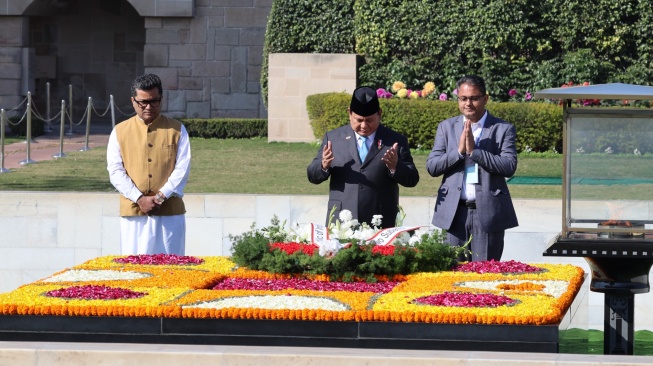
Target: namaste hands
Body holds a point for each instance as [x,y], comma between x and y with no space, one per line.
[466,142]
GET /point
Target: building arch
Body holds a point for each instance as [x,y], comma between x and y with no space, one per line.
[145,8]
[209,54]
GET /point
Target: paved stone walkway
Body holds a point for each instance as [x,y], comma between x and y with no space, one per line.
[42,148]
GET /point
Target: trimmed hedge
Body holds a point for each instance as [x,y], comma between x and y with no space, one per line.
[538,125]
[223,128]
[20,129]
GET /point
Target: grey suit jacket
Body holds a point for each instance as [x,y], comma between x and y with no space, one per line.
[497,159]
[364,188]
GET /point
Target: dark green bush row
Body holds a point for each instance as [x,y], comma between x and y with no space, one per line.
[226,128]
[20,129]
[539,125]
[522,44]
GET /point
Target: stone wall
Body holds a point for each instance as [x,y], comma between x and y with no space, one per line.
[293,77]
[208,52]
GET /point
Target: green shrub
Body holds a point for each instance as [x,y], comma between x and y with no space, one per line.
[519,44]
[538,125]
[226,128]
[327,111]
[20,129]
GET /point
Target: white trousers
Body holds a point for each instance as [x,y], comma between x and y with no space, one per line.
[153,235]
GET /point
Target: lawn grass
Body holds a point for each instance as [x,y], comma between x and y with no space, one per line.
[590,341]
[11,140]
[247,166]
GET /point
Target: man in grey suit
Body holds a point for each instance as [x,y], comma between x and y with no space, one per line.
[475,152]
[365,163]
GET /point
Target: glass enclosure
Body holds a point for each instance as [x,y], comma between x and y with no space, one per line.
[608,173]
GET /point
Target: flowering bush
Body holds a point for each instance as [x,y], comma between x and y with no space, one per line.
[401,91]
[345,250]
[516,96]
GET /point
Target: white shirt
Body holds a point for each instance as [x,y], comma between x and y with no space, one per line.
[469,190]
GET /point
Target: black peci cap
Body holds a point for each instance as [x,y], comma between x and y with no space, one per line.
[364,101]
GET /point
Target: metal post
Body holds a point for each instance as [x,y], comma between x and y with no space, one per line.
[70,110]
[48,124]
[113,112]
[619,324]
[3,119]
[61,130]
[28,134]
[28,160]
[88,123]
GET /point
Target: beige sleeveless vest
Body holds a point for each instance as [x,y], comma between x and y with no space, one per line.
[149,155]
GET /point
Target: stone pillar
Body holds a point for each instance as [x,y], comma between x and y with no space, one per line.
[13,38]
[294,76]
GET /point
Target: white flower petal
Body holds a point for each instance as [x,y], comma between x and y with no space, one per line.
[95,275]
[274,302]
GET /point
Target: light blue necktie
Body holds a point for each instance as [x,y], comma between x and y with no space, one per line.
[363,149]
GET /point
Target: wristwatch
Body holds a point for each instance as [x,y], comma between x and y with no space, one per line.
[159,198]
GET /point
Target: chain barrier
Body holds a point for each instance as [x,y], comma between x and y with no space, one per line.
[63,114]
[123,113]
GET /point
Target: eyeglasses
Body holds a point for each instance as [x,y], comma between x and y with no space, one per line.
[473,98]
[154,103]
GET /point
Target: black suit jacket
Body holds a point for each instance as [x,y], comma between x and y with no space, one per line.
[364,188]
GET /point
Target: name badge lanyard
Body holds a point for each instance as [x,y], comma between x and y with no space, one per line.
[471,171]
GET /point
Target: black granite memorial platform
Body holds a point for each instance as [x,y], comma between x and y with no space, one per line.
[299,333]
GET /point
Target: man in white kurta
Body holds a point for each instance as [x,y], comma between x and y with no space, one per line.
[148,159]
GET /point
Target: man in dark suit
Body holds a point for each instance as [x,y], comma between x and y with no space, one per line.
[475,152]
[365,162]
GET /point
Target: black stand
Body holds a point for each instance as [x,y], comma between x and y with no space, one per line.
[620,269]
[619,321]
[619,279]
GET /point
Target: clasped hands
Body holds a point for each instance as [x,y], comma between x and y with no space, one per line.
[148,205]
[466,143]
[390,157]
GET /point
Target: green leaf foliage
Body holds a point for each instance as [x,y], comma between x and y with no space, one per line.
[18,126]
[224,128]
[355,262]
[518,44]
[538,125]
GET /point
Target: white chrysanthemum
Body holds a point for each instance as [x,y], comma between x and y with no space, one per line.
[365,234]
[346,225]
[273,302]
[345,216]
[377,220]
